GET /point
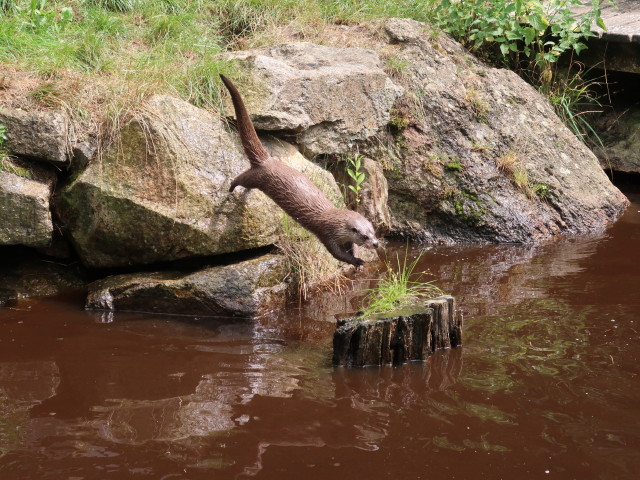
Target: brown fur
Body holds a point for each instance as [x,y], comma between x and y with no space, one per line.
[336,228]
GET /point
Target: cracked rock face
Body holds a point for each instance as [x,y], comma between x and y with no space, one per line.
[479,155]
[331,97]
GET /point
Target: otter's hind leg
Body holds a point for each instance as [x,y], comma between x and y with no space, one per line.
[246,179]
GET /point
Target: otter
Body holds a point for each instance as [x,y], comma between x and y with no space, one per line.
[338,229]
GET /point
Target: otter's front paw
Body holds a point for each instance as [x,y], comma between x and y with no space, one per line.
[358,263]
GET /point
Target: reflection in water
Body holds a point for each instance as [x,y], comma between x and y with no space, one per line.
[549,386]
[22,385]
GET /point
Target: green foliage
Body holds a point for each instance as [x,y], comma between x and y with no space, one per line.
[540,190]
[397,289]
[354,164]
[201,84]
[573,100]
[40,16]
[539,30]
[530,36]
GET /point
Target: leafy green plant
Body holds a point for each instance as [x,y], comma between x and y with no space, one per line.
[530,36]
[540,31]
[354,164]
[397,289]
[40,16]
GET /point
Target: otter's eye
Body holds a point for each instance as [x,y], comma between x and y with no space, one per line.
[354,229]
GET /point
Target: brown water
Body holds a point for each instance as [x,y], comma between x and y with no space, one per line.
[546,385]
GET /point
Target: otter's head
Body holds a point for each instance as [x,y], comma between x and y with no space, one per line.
[359,230]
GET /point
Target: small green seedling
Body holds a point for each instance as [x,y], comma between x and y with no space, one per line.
[353,170]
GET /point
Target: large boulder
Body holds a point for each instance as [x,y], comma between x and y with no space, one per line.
[25,192]
[332,97]
[477,154]
[161,192]
[237,290]
[39,135]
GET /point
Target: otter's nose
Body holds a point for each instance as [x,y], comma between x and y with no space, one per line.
[375,244]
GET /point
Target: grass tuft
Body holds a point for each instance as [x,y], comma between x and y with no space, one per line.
[397,289]
[121,6]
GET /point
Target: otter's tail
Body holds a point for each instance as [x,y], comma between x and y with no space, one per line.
[252,145]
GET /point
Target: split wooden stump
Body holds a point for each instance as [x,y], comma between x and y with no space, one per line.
[402,336]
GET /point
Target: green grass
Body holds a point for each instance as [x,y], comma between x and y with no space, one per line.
[107,36]
[398,288]
[118,51]
[109,54]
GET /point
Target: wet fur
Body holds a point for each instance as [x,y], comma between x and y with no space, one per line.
[336,228]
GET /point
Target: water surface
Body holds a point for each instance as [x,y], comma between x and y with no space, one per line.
[545,386]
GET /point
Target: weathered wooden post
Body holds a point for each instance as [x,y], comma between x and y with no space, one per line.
[405,335]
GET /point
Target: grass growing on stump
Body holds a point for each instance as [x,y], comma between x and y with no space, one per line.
[397,289]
